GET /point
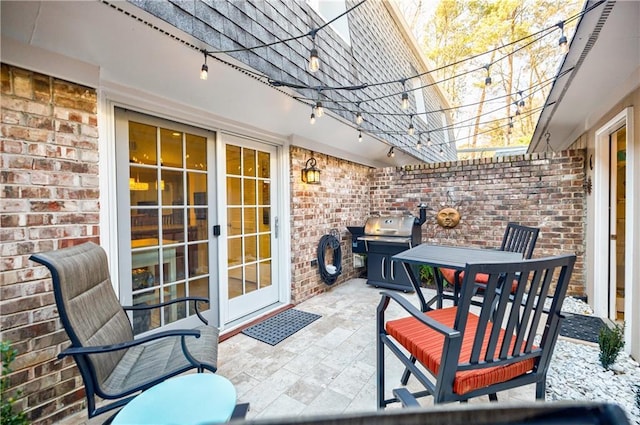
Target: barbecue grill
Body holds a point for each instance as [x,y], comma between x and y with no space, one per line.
[384,237]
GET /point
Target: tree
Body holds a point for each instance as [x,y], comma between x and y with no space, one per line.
[463,37]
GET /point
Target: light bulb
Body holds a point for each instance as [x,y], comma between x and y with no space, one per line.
[319,109]
[411,130]
[358,118]
[204,72]
[312,120]
[564,45]
[487,81]
[419,145]
[405,101]
[314,60]
[360,136]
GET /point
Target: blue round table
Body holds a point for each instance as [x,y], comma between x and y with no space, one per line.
[199,398]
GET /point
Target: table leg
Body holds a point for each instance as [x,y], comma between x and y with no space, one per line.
[415,282]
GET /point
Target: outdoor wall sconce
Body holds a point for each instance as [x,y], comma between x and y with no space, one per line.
[310,174]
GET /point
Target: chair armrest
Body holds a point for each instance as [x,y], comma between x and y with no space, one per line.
[71,351]
[166,303]
[420,316]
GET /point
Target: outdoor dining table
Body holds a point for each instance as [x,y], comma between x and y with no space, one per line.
[452,257]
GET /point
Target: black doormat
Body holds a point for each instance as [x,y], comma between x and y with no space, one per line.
[281,326]
[579,326]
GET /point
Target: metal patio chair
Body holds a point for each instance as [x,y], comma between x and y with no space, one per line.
[464,353]
[114,365]
[516,238]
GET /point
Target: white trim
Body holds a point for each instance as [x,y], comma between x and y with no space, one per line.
[49,63]
[632,242]
[601,237]
[107,184]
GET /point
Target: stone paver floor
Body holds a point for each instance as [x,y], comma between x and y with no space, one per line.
[327,367]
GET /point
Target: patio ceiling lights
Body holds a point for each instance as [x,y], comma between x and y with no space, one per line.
[314,66]
[204,71]
[562,41]
[310,174]
[314,60]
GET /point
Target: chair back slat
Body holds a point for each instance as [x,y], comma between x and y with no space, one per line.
[508,321]
[519,238]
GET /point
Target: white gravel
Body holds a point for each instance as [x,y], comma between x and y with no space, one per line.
[575,372]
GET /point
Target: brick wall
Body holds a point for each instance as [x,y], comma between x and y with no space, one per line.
[49,177]
[342,199]
[539,190]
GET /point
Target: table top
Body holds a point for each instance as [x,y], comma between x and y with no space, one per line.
[198,398]
[454,257]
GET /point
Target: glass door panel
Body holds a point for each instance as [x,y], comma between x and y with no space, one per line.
[618,224]
[169,218]
[250,239]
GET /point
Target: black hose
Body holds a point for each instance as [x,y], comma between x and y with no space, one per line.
[329,241]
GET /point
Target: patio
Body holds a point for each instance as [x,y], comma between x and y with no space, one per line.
[327,367]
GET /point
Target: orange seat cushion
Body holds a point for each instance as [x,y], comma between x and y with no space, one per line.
[482,279]
[425,344]
[450,275]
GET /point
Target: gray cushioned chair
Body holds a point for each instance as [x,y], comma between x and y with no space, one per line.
[113,364]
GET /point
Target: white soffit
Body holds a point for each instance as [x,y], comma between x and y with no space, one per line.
[605,55]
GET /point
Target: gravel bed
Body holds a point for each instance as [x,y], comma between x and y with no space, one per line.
[575,372]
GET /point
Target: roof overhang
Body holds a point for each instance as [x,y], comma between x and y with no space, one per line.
[602,66]
[95,44]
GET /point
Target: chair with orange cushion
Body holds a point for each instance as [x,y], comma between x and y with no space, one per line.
[468,353]
[516,238]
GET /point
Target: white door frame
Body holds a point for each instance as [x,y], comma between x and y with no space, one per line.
[226,315]
[601,216]
[112,95]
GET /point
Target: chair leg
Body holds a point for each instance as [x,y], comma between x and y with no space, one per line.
[380,372]
[407,373]
[493,397]
[540,389]
[240,411]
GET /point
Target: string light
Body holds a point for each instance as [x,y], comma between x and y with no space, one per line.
[312,119]
[391,153]
[360,136]
[429,143]
[319,109]
[411,130]
[487,80]
[204,71]
[359,118]
[562,41]
[521,101]
[314,60]
[419,144]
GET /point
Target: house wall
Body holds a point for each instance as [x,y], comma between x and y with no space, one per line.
[342,199]
[379,51]
[49,200]
[539,190]
[588,139]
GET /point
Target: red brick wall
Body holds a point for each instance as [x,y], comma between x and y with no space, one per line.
[49,177]
[342,199]
[539,190]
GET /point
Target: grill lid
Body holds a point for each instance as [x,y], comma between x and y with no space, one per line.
[389,226]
